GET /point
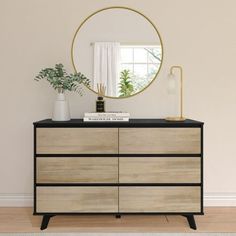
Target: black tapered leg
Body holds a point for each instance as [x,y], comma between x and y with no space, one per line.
[191,221]
[45,221]
[118,216]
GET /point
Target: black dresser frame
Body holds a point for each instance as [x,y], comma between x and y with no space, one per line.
[133,123]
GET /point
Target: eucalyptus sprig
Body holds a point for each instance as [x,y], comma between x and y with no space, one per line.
[62,81]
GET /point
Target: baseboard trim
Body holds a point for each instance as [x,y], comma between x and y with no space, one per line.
[220,199]
[16,200]
[26,200]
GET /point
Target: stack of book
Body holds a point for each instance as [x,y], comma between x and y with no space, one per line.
[106,116]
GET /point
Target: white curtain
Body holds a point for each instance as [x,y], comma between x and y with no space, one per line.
[106,66]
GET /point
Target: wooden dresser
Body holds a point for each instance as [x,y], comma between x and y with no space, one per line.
[145,166]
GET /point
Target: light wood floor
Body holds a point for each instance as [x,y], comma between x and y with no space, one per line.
[22,220]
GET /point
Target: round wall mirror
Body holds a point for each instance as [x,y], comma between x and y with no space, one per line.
[118,49]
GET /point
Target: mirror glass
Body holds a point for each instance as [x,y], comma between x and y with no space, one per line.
[118,48]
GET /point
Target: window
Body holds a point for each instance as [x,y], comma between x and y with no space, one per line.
[142,62]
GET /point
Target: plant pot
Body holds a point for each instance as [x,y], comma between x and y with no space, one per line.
[61,111]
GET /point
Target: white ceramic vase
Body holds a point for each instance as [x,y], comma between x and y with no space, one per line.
[61,111]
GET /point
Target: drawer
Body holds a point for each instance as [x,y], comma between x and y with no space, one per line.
[160,199]
[77,170]
[160,140]
[159,169]
[76,199]
[77,141]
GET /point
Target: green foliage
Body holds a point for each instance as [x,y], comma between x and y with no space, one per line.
[61,80]
[126,86]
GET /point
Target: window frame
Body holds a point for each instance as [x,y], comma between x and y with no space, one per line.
[133,63]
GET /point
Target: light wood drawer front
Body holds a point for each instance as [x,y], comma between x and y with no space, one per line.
[77,199]
[159,169]
[159,141]
[77,170]
[159,199]
[77,141]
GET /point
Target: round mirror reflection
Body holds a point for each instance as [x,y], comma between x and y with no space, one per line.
[119,49]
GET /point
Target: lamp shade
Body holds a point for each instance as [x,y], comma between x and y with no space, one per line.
[171,84]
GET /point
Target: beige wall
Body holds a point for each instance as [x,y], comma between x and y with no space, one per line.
[200,35]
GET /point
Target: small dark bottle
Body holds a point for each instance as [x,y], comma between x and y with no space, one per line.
[100,105]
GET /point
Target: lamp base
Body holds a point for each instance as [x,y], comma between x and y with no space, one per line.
[175,118]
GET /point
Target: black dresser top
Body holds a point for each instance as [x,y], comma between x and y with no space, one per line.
[131,123]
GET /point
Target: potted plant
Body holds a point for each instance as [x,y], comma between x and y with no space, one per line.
[62,81]
[126,86]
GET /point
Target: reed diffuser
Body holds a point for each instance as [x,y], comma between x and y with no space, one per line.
[100,103]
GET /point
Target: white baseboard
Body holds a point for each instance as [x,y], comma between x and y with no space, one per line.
[26,200]
[220,199]
[16,200]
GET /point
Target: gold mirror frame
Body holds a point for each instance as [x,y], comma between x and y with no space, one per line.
[126,8]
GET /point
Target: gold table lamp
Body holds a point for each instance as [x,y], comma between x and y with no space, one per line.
[178,118]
